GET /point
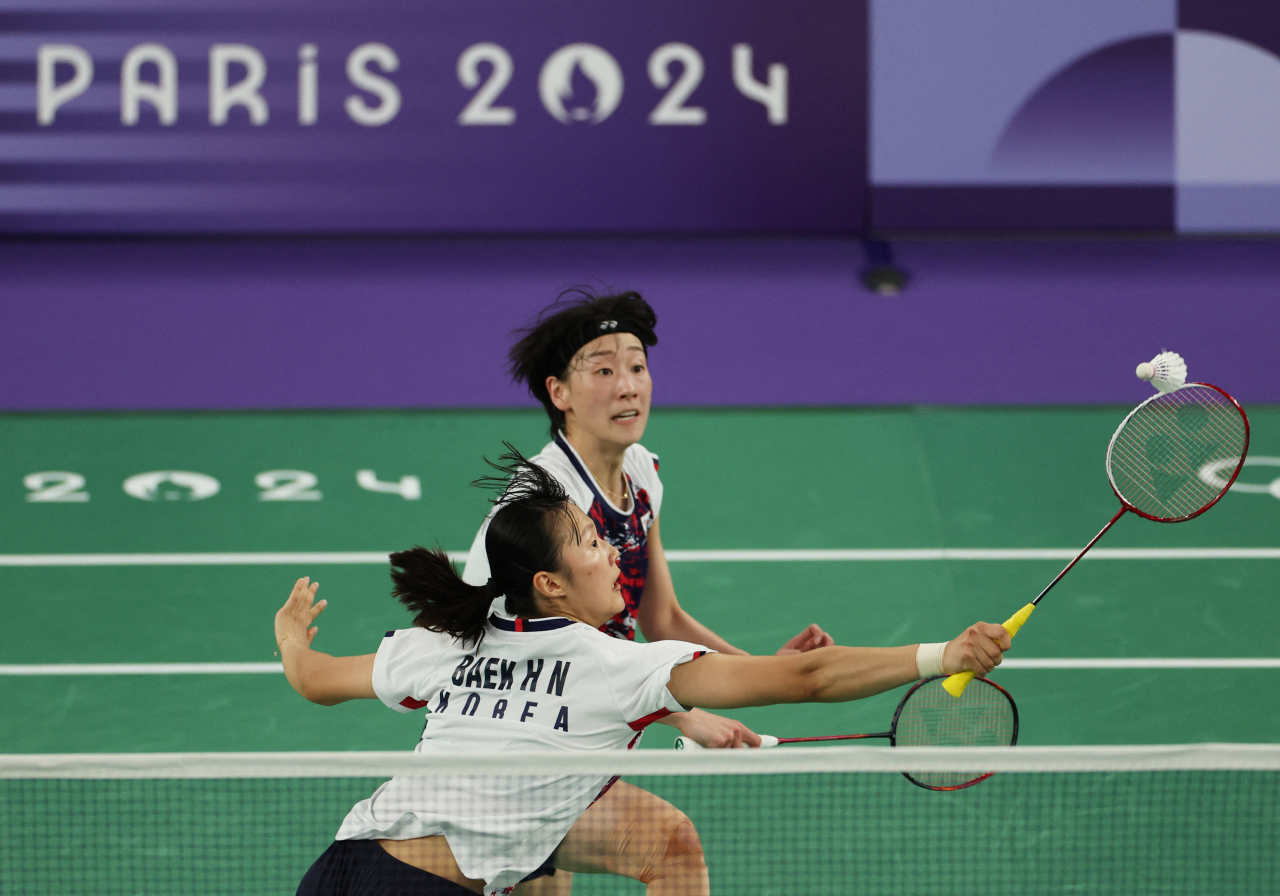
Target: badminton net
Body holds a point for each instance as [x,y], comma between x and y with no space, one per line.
[1101,820]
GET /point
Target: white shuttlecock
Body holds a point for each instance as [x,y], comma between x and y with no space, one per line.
[1166,371]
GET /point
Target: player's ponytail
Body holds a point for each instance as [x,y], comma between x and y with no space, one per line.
[525,537]
[427,583]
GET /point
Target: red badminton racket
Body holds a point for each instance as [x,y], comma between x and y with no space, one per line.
[1169,462]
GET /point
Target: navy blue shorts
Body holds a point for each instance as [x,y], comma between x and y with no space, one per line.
[364,868]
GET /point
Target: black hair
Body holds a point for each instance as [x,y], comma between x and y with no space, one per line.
[525,537]
[577,316]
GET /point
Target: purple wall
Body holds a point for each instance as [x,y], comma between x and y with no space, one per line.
[332,324]
[580,117]
[581,131]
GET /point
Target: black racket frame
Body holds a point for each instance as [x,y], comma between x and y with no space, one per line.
[892,733]
[893,739]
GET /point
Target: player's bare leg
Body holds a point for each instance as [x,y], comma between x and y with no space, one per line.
[431,854]
[631,833]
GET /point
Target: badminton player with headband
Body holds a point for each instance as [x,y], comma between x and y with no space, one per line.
[452,835]
[586,360]
[1168,462]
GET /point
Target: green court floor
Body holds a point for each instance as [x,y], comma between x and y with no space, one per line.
[735,479]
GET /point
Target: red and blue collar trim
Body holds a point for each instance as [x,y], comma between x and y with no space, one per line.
[529,625]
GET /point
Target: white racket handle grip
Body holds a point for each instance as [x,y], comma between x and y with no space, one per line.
[684,743]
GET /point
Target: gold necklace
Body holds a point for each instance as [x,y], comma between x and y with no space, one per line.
[622,497]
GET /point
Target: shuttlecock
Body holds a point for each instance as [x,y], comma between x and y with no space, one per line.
[1166,371]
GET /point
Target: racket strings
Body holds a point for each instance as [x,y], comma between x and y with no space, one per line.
[983,716]
[1176,454]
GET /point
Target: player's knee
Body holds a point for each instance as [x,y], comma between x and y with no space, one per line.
[683,842]
[681,850]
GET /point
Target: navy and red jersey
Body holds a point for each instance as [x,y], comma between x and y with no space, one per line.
[627,530]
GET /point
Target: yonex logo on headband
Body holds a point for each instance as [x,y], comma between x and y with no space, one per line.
[608,325]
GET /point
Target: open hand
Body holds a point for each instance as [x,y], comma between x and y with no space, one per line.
[978,649]
[707,729]
[293,620]
[811,638]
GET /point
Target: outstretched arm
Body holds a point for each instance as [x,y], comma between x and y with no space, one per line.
[319,677]
[662,618]
[826,675]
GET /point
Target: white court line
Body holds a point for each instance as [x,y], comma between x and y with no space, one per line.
[307,558]
[379,558]
[907,554]
[141,669]
[1203,662]
[275,668]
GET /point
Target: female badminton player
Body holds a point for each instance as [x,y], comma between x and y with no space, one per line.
[545,678]
[586,361]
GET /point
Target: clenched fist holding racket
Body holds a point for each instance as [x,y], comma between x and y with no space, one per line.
[977,650]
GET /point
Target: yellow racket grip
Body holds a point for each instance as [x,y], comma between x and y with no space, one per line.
[956,684]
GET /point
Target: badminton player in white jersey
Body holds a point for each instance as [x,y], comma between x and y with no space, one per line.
[586,361]
[546,678]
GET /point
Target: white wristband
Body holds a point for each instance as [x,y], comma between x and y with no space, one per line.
[929,658]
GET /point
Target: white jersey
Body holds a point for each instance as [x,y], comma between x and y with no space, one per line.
[530,684]
[626,529]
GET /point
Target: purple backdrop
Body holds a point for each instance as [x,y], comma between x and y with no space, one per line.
[400,115]
[331,324]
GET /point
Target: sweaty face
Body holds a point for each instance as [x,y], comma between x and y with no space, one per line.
[606,394]
[592,593]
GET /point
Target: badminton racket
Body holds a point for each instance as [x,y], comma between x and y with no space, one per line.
[985,716]
[1170,460]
